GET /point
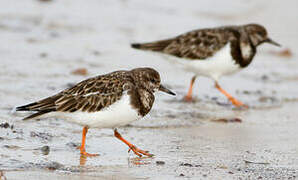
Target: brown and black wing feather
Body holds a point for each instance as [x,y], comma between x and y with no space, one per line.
[89,95]
[197,44]
[90,103]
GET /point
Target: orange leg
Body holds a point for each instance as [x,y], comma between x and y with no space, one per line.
[188,97]
[82,148]
[231,98]
[132,147]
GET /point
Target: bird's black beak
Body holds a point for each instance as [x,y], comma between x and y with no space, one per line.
[272,42]
[162,88]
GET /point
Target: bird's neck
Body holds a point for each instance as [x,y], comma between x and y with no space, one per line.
[142,100]
[243,52]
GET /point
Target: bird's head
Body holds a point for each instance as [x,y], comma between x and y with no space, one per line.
[258,35]
[149,79]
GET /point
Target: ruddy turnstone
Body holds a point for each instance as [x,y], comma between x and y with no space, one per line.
[105,101]
[213,52]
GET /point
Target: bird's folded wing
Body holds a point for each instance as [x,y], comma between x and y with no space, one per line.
[86,103]
[90,95]
[198,44]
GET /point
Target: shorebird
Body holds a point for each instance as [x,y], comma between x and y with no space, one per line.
[106,101]
[212,52]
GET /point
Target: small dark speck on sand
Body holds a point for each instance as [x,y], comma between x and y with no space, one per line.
[171,116]
[45,150]
[19,131]
[31,40]
[257,92]
[43,55]
[53,166]
[13,147]
[251,162]
[44,136]
[232,120]
[264,77]
[54,34]
[47,165]
[186,164]
[6,125]
[190,165]
[72,145]
[267,99]
[96,53]
[160,163]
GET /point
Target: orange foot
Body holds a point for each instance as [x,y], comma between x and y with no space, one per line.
[237,103]
[187,98]
[231,98]
[139,152]
[132,147]
[82,148]
[84,153]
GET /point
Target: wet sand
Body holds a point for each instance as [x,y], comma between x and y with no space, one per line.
[44,42]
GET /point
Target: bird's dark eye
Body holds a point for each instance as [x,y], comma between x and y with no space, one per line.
[261,33]
[152,80]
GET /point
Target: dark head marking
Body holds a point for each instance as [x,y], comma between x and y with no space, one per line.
[258,35]
[149,79]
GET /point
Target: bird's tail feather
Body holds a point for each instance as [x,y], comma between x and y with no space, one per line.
[40,107]
[26,107]
[152,46]
[36,114]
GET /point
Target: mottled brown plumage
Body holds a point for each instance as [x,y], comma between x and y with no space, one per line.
[204,43]
[99,92]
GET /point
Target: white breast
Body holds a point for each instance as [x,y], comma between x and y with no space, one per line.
[118,114]
[214,67]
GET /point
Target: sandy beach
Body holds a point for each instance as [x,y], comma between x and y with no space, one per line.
[49,45]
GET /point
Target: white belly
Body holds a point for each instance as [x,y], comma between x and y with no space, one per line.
[214,67]
[118,114]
